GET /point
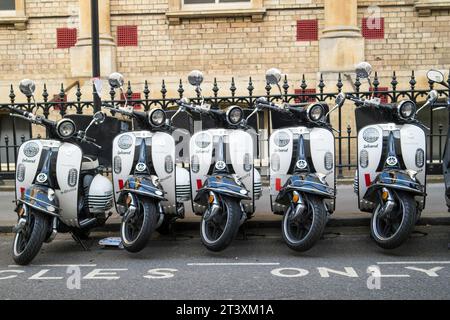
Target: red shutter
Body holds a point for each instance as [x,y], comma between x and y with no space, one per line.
[127,36]
[305,99]
[57,98]
[373,28]
[134,96]
[384,97]
[66,37]
[307,30]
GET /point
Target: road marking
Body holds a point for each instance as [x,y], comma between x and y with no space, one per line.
[414,262]
[234,264]
[54,265]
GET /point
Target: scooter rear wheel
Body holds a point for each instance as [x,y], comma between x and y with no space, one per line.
[28,241]
[137,230]
[303,233]
[218,232]
[393,230]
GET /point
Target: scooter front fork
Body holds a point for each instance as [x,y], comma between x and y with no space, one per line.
[388,203]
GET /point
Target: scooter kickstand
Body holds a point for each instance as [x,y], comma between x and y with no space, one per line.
[79,241]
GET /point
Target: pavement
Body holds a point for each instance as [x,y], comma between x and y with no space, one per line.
[345,264]
[347,213]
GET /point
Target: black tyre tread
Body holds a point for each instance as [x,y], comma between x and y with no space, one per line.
[317,229]
[149,224]
[37,238]
[231,230]
[406,228]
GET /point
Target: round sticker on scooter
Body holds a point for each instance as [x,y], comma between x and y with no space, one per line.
[391,161]
[141,167]
[41,178]
[220,165]
[301,164]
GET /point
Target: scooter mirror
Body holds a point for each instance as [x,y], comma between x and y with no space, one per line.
[435,76]
[99,117]
[340,99]
[116,80]
[363,70]
[27,87]
[195,78]
[432,96]
[273,76]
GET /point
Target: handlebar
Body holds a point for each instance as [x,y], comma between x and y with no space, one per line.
[368,103]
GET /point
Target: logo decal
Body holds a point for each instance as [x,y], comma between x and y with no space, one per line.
[391,161]
[301,164]
[220,165]
[41,178]
[141,167]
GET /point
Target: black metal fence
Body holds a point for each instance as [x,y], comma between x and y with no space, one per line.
[345,136]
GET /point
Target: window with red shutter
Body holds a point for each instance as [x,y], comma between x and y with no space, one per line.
[307,30]
[373,28]
[127,36]
[66,37]
[384,97]
[134,96]
[305,99]
[57,98]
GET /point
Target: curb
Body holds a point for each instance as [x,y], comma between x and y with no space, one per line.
[349,222]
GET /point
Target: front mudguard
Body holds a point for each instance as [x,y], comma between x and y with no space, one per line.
[307,183]
[222,185]
[141,186]
[41,198]
[394,179]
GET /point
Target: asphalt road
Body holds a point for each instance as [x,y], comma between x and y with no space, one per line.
[261,267]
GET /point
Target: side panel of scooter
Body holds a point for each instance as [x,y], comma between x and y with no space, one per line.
[123,155]
[27,164]
[370,144]
[241,147]
[68,163]
[413,141]
[280,160]
[163,149]
[201,156]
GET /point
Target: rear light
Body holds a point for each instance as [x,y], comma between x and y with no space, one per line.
[195,164]
[328,161]
[117,164]
[21,172]
[199,183]
[247,162]
[168,164]
[275,162]
[277,184]
[120,184]
[364,159]
[420,158]
[72,177]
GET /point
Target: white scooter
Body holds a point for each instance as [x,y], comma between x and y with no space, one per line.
[224,181]
[149,187]
[391,176]
[58,188]
[302,170]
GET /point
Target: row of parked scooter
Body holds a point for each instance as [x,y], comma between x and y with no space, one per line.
[61,189]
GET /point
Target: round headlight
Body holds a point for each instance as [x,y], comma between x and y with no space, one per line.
[234,115]
[65,128]
[203,140]
[315,112]
[406,109]
[157,117]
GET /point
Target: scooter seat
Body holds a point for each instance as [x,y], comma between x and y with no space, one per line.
[89,163]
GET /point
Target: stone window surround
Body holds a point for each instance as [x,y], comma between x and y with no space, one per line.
[176,11]
[426,7]
[15,17]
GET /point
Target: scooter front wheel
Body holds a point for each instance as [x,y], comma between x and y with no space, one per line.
[218,231]
[301,233]
[137,229]
[29,239]
[390,230]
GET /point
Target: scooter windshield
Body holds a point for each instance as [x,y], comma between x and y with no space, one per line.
[370,115]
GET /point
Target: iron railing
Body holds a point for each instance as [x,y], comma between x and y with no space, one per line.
[345,135]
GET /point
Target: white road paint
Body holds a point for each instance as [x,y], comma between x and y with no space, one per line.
[234,264]
[412,262]
[54,265]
